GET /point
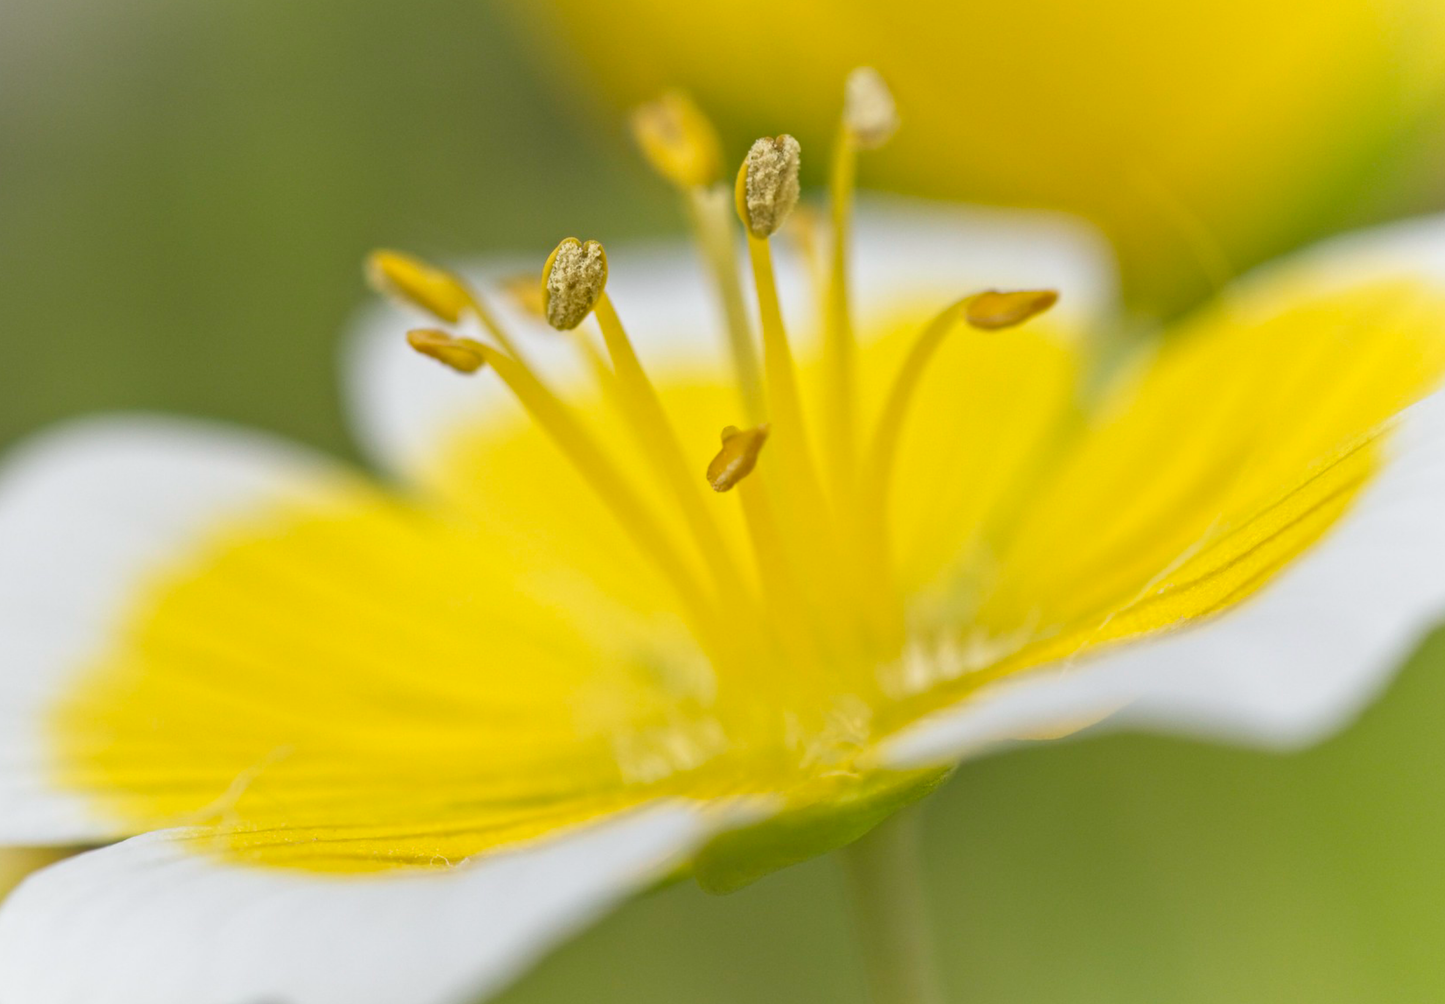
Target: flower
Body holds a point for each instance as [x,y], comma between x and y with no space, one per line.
[1202,139]
[622,610]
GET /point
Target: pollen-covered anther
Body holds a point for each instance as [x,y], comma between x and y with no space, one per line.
[869,112]
[572,282]
[767,187]
[418,284]
[993,309]
[678,140]
[738,456]
[461,354]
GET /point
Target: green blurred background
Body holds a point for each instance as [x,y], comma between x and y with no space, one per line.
[186,192]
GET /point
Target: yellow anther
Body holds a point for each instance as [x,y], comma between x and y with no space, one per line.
[767,186]
[418,284]
[572,281]
[462,354]
[678,140]
[526,295]
[737,458]
[869,114]
[993,310]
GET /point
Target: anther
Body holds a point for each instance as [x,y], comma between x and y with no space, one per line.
[678,140]
[572,282]
[993,310]
[418,284]
[525,294]
[869,114]
[767,187]
[462,354]
[737,458]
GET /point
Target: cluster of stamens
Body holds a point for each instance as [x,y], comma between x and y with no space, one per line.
[821,581]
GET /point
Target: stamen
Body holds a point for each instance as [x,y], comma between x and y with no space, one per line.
[678,141]
[654,432]
[681,144]
[737,458]
[712,220]
[572,282]
[989,311]
[418,284]
[763,195]
[869,119]
[993,310]
[525,293]
[443,294]
[462,354]
[767,186]
[869,113]
[598,471]
[766,191]
[793,623]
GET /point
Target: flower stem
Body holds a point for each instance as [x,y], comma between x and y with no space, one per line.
[885,878]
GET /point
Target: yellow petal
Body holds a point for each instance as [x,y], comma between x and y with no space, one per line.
[1210,469]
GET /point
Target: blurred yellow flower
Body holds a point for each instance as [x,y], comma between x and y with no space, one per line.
[626,607]
[1201,137]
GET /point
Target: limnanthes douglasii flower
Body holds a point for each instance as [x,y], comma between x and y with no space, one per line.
[1197,138]
[623,608]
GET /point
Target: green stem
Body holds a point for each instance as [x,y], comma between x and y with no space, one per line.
[885,877]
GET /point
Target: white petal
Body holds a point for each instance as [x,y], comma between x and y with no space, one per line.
[907,252]
[147,922]
[87,512]
[1301,658]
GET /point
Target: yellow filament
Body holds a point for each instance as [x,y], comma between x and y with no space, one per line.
[587,457]
[782,591]
[653,429]
[711,212]
[988,311]
[479,309]
[839,346]
[838,582]
[784,400]
[883,450]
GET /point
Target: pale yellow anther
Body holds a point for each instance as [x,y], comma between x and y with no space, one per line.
[418,284]
[572,282]
[993,310]
[869,113]
[462,354]
[525,294]
[767,186]
[678,140]
[737,458]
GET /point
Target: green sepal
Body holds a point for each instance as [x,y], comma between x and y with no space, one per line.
[827,813]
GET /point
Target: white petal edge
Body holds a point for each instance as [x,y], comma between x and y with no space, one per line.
[1304,656]
[907,252]
[146,922]
[88,511]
